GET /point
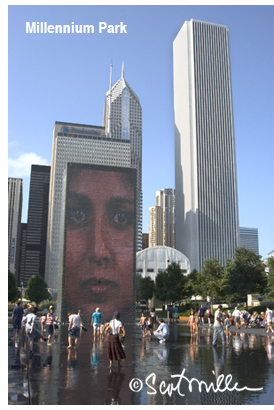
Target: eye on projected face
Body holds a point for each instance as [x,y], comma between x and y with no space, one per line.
[100,220]
[119,213]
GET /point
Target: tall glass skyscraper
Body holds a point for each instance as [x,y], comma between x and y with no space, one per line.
[15,200]
[36,239]
[122,119]
[205,165]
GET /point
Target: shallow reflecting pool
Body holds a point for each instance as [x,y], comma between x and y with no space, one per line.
[185,370]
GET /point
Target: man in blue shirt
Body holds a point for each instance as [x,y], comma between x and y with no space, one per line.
[96,322]
[218,326]
[176,314]
[16,318]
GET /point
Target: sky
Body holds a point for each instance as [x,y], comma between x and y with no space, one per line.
[64,77]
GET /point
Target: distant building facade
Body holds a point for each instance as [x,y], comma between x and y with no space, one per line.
[155,227]
[15,200]
[151,261]
[35,256]
[249,239]
[22,261]
[145,240]
[165,198]
[205,161]
[162,219]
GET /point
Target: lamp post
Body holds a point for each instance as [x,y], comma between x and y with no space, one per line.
[22,283]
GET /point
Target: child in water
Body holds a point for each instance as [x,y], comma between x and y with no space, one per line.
[191,321]
[142,323]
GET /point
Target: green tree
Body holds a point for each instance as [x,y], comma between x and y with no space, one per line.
[214,279]
[170,285]
[144,288]
[37,289]
[194,284]
[161,291]
[246,275]
[14,293]
[270,277]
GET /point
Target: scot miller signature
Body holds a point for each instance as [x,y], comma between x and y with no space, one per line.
[136,384]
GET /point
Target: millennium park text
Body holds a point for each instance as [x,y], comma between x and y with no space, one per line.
[222,384]
[44,28]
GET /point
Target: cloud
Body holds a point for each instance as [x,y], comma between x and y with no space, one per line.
[12,144]
[21,166]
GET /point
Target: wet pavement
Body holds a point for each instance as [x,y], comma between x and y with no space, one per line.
[152,373]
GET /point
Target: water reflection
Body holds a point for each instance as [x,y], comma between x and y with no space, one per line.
[114,383]
[72,374]
[82,375]
[162,353]
[219,361]
[269,347]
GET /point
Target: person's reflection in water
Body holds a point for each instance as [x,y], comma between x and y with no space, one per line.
[114,385]
[48,360]
[193,348]
[209,336]
[269,347]
[143,349]
[237,343]
[72,370]
[201,339]
[47,368]
[219,362]
[245,340]
[163,353]
[95,354]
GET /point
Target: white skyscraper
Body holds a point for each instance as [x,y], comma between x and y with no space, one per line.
[122,119]
[205,166]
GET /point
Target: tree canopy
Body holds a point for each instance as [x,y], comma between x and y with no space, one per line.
[213,279]
[144,288]
[14,293]
[270,282]
[194,284]
[246,274]
[37,289]
[170,284]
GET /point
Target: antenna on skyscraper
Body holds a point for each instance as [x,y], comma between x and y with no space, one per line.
[109,107]
[110,79]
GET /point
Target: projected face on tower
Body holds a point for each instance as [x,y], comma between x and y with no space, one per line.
[100,229]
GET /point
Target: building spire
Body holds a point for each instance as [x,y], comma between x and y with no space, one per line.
[122,69]
[109,106]
[110,79]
